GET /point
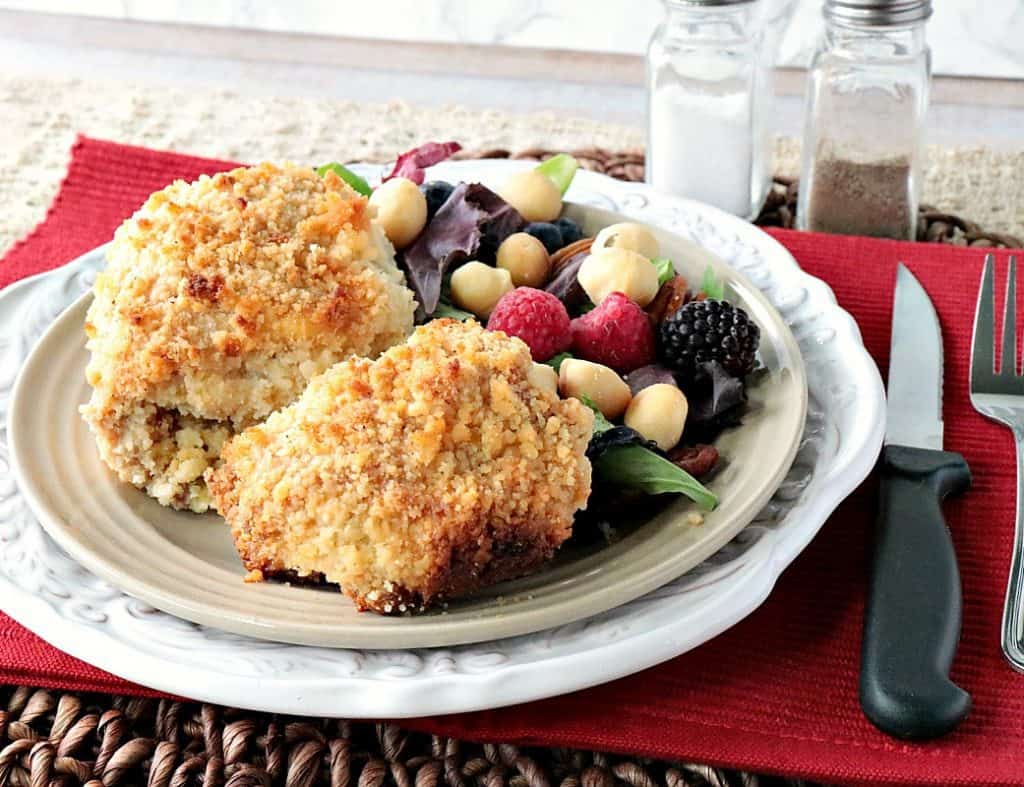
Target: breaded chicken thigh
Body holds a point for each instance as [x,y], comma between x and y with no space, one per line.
[441,467]
[221,299]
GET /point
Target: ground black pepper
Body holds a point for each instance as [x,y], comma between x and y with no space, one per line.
[853,198]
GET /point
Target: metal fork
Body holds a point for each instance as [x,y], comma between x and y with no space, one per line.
[1000,396]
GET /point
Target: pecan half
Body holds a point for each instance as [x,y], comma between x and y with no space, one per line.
[697,460]
[561,257]
[673,294]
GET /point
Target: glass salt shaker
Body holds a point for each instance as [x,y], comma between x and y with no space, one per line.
[867,97]
[708,90]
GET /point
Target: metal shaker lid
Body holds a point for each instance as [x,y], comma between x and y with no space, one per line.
[878,12]
[708,2]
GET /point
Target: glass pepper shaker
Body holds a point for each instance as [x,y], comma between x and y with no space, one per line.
[867,97]
[708,91]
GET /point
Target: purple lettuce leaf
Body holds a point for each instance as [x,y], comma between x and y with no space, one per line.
[717,401]
[471,215]
[649,375]
[565,286]
[412,163]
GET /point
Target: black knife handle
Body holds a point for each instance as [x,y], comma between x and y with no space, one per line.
[912,620]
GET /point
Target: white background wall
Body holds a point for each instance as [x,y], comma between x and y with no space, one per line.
[968,37]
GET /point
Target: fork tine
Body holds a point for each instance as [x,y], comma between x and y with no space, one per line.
[983,343]
[1008,365]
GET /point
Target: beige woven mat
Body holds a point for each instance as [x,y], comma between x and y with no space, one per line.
[40,118]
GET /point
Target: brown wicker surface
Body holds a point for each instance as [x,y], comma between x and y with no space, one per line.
[780,207]
[53,739]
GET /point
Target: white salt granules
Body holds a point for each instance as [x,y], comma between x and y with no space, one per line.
[704,146]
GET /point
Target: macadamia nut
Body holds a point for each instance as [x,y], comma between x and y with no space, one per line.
[525,258]
[658,412]
[601,385]
[543,376]
[618,270]
[477,287]
[401,210]
[628,235]
[533,194]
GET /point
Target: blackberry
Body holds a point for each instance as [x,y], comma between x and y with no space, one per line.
[709,330]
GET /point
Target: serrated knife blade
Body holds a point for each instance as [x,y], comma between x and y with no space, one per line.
[914,394]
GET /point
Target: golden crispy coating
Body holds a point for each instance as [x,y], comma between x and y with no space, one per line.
[436,469]
[221,299]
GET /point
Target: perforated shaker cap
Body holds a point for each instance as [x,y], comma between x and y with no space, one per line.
[878,12]
[707,2]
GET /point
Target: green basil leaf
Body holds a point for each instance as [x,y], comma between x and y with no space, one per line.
[346,175]
[560,168]
[556,362]
[666,270]
[712,286]
[601,424]
[640,468]
[447,310]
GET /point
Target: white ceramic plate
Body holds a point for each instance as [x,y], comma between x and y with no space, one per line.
[48,592]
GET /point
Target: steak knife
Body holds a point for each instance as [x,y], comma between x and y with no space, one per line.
[912,619]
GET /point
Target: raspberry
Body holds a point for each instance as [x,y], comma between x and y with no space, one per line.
[618,333]
[536,317]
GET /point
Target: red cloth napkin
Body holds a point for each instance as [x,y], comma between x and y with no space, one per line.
[778,692]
